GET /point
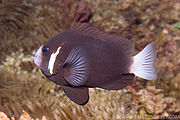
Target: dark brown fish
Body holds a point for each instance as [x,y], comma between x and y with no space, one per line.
[85,57]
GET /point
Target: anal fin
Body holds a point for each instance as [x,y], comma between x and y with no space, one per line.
[120,83]
[78,95]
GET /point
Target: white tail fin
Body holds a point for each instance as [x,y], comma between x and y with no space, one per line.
[143,63]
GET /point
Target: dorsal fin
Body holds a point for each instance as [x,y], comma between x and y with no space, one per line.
[126,45]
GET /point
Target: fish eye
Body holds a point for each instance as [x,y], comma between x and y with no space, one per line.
[45,49]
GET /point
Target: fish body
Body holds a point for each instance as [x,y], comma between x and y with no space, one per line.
[85,57]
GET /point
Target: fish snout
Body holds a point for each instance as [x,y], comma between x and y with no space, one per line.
[38,56]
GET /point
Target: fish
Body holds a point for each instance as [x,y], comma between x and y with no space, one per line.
[86,57]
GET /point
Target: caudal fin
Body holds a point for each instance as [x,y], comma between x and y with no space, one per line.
[143,63]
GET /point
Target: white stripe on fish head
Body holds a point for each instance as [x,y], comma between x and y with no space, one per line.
[38,57]
[52,60]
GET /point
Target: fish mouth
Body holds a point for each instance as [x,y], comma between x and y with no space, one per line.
[47,74]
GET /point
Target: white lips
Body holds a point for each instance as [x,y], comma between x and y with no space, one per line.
[38,55]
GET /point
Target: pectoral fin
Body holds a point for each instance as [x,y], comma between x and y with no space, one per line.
[121,83]
[79,69]
[78,95]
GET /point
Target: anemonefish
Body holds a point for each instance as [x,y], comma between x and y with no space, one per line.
[85,57]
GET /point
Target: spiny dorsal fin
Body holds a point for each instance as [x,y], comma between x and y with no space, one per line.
[125,44]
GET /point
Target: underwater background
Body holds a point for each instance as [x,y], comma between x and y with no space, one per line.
[27,24]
